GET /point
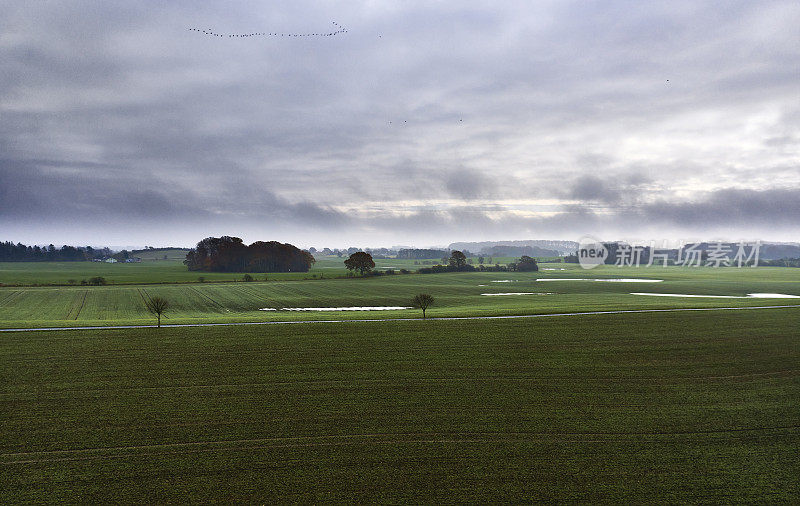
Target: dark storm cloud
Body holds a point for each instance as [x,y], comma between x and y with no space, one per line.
[51,189]
[469,184]
[593,188]
[750,207]
[609,188]
[84,192]
[750,211]
[453,118]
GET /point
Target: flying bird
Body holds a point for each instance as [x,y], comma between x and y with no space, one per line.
[209,31]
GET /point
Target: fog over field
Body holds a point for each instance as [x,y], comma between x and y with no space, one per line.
[415,123]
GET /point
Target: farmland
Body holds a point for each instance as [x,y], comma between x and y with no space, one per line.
[642,407]
[631,408]
[456,294]
[154,269]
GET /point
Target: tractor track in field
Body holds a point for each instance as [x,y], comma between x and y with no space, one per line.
[10,297]
[262,299]
[72,305]
[396,320]
[208,298]
[83,302]
[104,452]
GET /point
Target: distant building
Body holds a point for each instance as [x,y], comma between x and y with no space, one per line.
[110,261]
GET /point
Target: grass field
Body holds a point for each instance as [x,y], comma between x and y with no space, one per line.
[646,407]
[456,294]
[625,408]
[154,269]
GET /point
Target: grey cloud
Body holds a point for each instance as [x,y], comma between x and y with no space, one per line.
[735,207]
[116,110]
[77,192]
[594,189]
[469,184]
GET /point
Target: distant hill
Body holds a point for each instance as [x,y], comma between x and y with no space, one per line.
[776,250]
[536,248]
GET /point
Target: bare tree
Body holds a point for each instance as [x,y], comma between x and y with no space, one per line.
[422,301]
[157,305]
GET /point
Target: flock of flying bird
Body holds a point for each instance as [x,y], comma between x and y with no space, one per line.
[339,29]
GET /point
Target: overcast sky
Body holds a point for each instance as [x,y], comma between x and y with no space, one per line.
[424,123]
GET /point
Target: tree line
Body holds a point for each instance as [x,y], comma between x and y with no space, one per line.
[10,252]
[363,263]
[230,254]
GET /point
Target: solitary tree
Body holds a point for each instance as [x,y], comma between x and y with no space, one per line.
[457,259]
[527,263]
[422,301]
[157,305]
[360,261]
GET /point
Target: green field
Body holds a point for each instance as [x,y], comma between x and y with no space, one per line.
[153,269]
[642,407]
[624,408]
[456,294]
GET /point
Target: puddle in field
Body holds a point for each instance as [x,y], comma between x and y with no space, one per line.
[549,269]
[748,296]
[504,281]
[611,280]
[349,308]
[518,293]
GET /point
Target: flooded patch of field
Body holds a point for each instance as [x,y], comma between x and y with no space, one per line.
[517,293]
[609,280]
[748,296]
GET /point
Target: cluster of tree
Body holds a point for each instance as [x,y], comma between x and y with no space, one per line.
[10,252]
[420,254]
[381,252]
[363,262]
[436,269]
[329,252]
[375,252]
[538,248]
[458,262]
[781,262]
[230,254]
[779,251]
[94,281]
[517,251]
